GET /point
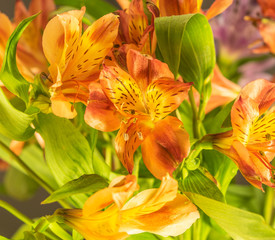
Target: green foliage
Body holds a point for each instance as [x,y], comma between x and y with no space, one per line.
[197,182]
[67,151]
[186,44]
[9,74]
[14,124]
[239,224]
[84,184]
[220,166]
[22,191]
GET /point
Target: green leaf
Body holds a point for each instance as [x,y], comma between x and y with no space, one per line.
[197,182]
[143,236]
[220,166]
[84,184]
[220,118]
[186,44]
[9,73]
[239,224]
[95,8]
[67,151]
[14,124]
[18,185]
[186,110]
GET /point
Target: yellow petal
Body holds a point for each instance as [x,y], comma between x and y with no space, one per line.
[161,211]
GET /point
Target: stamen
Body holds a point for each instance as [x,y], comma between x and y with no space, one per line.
[126,137]
[140,136]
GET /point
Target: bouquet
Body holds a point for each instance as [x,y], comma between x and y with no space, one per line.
[137,119]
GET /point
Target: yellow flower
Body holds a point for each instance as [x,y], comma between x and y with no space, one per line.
[161,211]
[74,59]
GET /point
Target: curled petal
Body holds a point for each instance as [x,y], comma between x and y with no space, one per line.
[165,147]
[262,92]
[100,113]
[268,8]
[119,191]
[160,211]
[146,70]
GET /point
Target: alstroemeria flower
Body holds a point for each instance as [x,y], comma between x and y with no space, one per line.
[134,31]
[161,211]
[74,59]
[30,57]
[251,143]
[178,7]
[139,102]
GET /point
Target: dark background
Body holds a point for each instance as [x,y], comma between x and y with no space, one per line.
[32,208]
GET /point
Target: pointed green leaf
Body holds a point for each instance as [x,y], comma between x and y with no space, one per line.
[85,184]
[9,73]
[186,44]
[14,124]
[239,224]
[67,151]
[197,182]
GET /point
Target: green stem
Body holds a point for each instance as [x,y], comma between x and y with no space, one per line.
[30,172]
[269,205]
[196,131]
[23,217]
[16,213]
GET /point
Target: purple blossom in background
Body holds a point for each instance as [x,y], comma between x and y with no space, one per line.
[232,32]
[234,35]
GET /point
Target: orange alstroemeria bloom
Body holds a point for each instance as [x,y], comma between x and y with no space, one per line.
[179,7]
[30,57]
[138,101]
[134,31]
[251,143]
[74,59]
[161,211]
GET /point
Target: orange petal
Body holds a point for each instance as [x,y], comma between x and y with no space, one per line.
[123,3]
[20,12]
[165,147]
[128,139]
[137,22]
[92,48]
[122,90]
[262,92]
[266,28]
[59,38]
[178,7]
[100,113]
[218,7]
[146,70]
[61,107]
[165,96]
[254,167]
[161,211]
[119,191]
